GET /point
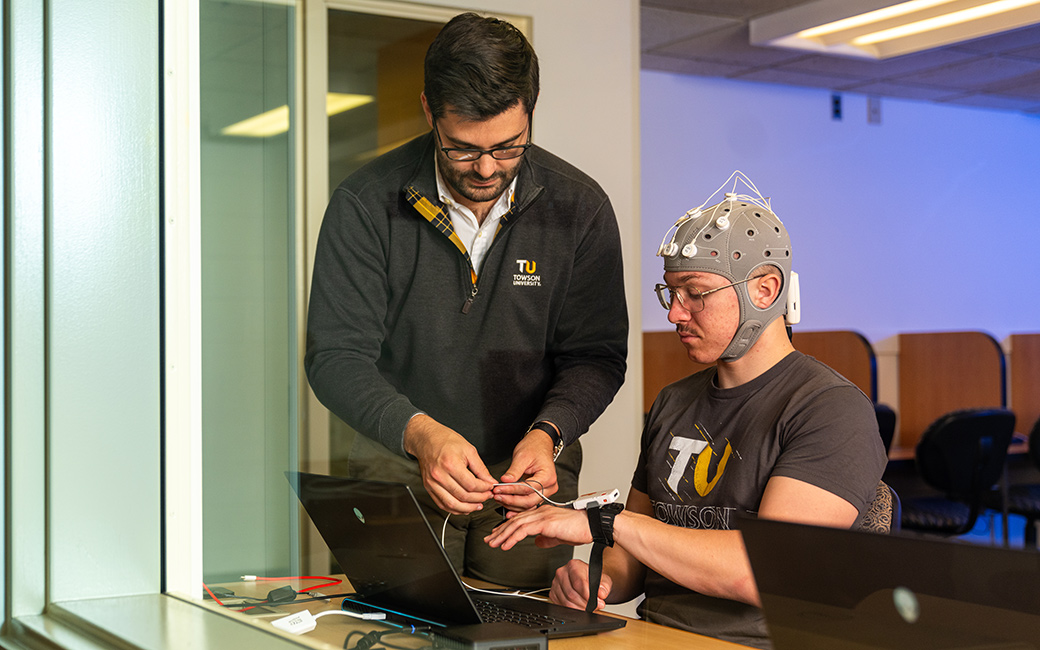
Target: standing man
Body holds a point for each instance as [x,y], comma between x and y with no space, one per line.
[766,432]
[467,314]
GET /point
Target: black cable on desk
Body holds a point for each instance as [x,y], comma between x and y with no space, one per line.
[370,640]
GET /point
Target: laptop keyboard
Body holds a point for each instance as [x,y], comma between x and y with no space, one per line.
[494,612]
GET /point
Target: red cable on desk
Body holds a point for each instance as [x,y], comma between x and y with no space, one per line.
[212,595]
[330,581]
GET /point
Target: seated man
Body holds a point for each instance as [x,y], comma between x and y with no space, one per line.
[766,432]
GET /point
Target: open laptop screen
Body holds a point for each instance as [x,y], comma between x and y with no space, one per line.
[828,588]
[385,546]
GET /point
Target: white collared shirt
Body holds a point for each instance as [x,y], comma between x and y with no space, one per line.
[476,237]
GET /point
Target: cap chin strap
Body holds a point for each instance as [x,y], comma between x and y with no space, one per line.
[751,328]
[742,341]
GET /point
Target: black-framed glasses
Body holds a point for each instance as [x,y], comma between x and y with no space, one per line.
[471,155]
[689,299]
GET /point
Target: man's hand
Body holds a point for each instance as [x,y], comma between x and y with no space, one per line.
[570,587]
[553,526]
[532,461]
[452,471]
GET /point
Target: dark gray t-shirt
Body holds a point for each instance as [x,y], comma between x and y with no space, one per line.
[707,454]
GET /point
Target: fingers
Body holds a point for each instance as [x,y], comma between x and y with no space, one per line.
[510,533]
[563,525]
[451,497]
[517,498]
[456,486]
[532,463]
[546,477]
[452,471]
[570,587]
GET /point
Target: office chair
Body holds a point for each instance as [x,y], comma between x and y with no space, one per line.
[884,512]
[962,455]
[886,421]
[1024,499]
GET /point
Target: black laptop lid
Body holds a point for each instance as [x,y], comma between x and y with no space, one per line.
[385,547]
[829,588]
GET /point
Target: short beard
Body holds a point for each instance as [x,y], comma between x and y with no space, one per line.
[456,180]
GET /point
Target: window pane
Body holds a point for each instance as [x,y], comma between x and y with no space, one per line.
[377,58]
[249,352]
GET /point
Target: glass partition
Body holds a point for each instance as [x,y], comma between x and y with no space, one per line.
[259,217]
[251,303]
[249,350]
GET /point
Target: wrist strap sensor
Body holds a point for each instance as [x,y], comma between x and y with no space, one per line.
[601,525]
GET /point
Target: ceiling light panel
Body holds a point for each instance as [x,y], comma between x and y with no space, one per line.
[879,30]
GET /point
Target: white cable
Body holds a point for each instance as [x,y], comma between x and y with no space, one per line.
[365,616]
[668,246]
[303,621]
[516,592]
[539,493]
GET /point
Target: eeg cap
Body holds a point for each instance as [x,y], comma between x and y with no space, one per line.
[734,239]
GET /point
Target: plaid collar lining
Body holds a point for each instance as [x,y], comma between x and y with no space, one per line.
[438,216]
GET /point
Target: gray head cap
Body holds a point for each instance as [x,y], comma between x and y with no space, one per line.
[734,239]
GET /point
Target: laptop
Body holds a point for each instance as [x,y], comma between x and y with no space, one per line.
[396,565]
[829,588]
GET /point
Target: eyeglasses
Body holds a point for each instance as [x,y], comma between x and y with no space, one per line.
[471,155]
[689,299]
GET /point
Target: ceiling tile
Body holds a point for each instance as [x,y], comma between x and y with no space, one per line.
[1031,52]
[1003,42]
[730,45]
[733,8]
[973,74]
[710,38]
[902,91]
[1000,102]
[1026,86]
[867,69]
[689,66]
[662,26]
[778,76]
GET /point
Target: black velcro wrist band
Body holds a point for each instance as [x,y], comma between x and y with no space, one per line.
[601,522]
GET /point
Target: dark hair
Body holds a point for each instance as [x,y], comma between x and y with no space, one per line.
[480,67]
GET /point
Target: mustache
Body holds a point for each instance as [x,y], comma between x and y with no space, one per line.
[481,179]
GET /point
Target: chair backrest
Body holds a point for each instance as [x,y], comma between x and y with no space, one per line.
[1034,443]
[886,422]
[883,514]
[897,509]
[963,452]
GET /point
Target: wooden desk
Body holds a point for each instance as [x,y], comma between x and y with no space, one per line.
[332,630]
